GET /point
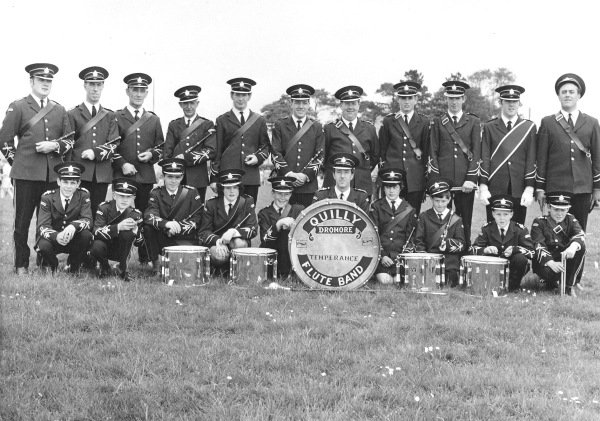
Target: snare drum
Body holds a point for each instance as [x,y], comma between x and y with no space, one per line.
[252,265]
[483,274]
[185,265]
[421,271]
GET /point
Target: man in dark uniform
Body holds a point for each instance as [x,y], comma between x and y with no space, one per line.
[440,230]
[37,122]
[174,212]
[505,238]
[194,134]
[117,228]
[65,219]
[242,138]
[455,151]
[96,136]
[343,166]
[404,138]
[556,234]
[141,143]
[299,146]
[352,135]
[229,219]
[568,150]
[508,155]
[275,221]
[395,220]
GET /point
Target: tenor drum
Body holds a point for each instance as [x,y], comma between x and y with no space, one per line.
[423,272]
[333,245]
[185,265]
[252,265]
[483,274]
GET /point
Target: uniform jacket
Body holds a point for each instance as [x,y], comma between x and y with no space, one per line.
[428,225]
[196,169]
[160,206]
[215,217]
[392,241]
[518,170]
[446,158]
[104,131]
[26,162]
[356,196]
[254,138]
[337,142]
[271,237]
[108,217]
[560,163]
[550,238]
[516,235]
[52,218]
[396,151]
[146,137]
[301,153]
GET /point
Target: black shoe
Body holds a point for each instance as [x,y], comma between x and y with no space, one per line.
[126,277]
[155,268]
[105,272]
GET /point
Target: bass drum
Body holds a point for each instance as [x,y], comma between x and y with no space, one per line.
[334,245]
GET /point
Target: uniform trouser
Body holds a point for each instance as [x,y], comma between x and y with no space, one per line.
[463,203]
[97,193]
[116,249]
[415,199]
[574,270]
[141,203]
[26,200]
[77,248]
[580,208]
[517,269]
[304,199]
[157,240]
[252,191]
[520,213]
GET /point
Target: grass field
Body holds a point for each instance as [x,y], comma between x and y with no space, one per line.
[79,348]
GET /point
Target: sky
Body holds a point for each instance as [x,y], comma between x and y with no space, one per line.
[326,44]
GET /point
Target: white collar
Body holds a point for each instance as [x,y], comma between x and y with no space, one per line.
[227,202]
[62,198]
[397,202]
[513,120]
[574,115]
[443,213]
[38,99]
[347,122]
[505,228]
[89,106]
[458,116]
[133,110]
[409,115]
[295,119]
[185,119]
[346,193]
[172,193]
[237,112]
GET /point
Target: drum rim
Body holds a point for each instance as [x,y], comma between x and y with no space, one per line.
[417,255]
[185,248]
[260,251]
[486,259]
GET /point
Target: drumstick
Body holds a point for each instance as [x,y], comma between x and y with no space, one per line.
[408,240]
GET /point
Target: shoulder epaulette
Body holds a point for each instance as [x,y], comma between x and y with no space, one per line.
[313,118]
[380,199]
[72,108]
[157,187]
[137,210]
[212,198]
[49,192]
[492,119]
[83,188]
[365,120]
[520,225]
[422,115]
[107,109]
[204,118]
[541,217]
[188,187]
[390,115]
[474,115]
[106,202]
[324,188]
[20,99]
[284,118]
[151,112]
[487,223]
[364,191]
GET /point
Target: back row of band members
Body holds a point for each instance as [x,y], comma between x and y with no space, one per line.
[127,143]
[176,216]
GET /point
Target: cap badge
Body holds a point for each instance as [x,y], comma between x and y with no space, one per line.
[343,160]
[350,92]
[511,92]
[71,169]
[436,185]
[282,183]
[561,198]
[229,176]
[139,80]
[174,165]
[46,70]
[300,90]
[125,185]
[406,87]
[454,87]
[241,84]
[503,202]
[392,175]
[187,93]
[95,73]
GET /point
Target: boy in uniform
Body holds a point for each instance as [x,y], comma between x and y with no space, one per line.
[395,220]
[505,238]
[440,230]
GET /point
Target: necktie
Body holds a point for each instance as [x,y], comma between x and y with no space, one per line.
[279,211]
[42,102]
[172,196]
[66,205]
[136,115]
[93,111]
[393,208]
[299,126]
[502,234]
[350,126]
[242,119]
[455,119]
[406,119]
[571,121]
[341,196]
[188,122]
[440,217]
[509,126]
[230,207]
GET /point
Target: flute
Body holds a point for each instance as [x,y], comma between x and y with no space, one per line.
[191,148]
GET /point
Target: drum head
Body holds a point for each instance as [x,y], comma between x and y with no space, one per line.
[254,251]
[421,255]
[485,259]
[334,245]
[184,249]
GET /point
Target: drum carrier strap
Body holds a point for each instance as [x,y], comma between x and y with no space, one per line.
[121,216]
[285,212]
[179,203]
[87,126]
[189,130]
[34,120]
[342,128]
[396,219]
[444,228]
[297,136]
[145,117]
[239,132]
[446,123]
[413,144]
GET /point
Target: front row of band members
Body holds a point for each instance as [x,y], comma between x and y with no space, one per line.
[229,219]
[65,219]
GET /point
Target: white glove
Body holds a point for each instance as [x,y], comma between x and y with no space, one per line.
[527,197]
[484,194]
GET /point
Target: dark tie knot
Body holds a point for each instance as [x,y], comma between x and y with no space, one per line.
[509,126]
[350,127]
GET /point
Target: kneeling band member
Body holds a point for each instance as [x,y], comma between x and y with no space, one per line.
[558,232]
[395,220]
[65,218]
[344,165]
[116,228]
[505,238]
[173,213]
[275,221]
[440,230]
[229,219]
